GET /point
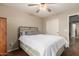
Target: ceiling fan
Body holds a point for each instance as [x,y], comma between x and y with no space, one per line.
[41,6]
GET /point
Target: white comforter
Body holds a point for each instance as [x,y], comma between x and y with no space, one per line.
[46,45]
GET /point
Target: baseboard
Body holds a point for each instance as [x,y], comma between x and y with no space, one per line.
[12,49]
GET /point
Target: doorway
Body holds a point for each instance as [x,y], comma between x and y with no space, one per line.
[74,30]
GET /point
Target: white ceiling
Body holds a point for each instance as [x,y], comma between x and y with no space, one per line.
[56,8]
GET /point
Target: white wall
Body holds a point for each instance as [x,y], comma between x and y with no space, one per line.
[63,23]
[52,26]
[16,18]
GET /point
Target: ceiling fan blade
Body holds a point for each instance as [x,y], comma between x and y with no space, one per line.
[37,10]
[51,3]
[32,4]
[49,10]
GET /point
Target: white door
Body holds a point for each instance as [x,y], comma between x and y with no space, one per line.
[73,30]
[52,26]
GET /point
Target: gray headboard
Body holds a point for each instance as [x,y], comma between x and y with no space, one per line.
[27,29]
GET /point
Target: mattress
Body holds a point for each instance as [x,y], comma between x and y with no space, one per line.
[42,45]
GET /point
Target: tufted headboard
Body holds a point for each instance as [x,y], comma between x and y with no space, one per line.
[31,30]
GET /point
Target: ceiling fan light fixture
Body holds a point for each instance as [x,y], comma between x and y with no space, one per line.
[43,6]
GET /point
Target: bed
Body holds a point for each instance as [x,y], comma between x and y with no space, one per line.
[36,44]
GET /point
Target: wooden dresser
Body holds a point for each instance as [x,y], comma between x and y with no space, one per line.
[3,36]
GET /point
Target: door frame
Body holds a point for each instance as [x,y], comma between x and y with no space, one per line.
[76,13]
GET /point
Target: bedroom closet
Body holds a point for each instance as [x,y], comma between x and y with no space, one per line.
[3,36]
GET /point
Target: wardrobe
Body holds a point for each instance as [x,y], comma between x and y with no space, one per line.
[3,36]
